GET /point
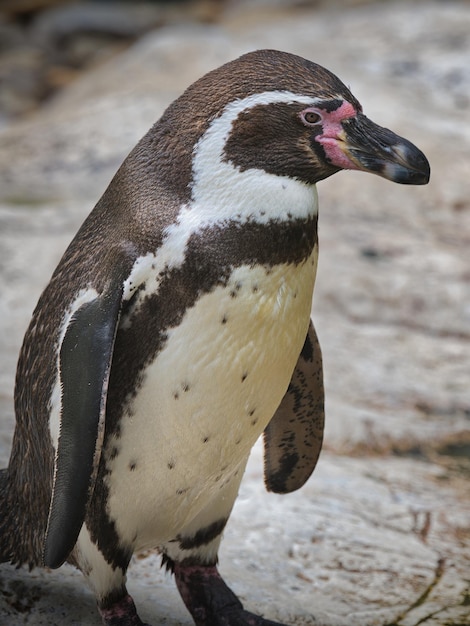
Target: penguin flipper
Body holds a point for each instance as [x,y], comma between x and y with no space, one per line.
[85,362]
[294,436]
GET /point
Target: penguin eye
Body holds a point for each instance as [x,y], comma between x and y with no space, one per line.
[311,117]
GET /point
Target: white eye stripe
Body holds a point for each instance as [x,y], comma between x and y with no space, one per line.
[267,97]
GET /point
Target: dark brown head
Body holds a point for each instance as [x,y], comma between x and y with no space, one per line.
[277,112]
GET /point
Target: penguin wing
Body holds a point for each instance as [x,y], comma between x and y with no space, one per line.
[85,362]
[294,436]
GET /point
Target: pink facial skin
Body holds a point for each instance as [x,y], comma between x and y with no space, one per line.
[332,137]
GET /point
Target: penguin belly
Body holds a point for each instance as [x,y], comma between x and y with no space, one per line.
[205,399]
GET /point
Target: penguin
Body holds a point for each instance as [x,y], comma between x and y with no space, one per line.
[176,330]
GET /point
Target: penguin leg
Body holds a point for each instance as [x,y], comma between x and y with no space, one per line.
[115,605]
[192,557]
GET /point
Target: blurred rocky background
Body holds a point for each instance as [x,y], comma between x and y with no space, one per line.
[380,536]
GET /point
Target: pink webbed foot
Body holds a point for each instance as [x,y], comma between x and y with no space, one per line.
[210,601]
[122,612]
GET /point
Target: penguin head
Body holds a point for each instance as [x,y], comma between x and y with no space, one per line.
[285,115]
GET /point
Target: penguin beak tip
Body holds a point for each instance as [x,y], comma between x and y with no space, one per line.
[382,152]
[409,165]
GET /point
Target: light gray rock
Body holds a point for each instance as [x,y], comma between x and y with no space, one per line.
[380,535]
[119,19]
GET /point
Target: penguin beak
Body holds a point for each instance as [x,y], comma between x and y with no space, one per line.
[378,150]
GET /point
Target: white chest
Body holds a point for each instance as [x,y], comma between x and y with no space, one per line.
[207,397]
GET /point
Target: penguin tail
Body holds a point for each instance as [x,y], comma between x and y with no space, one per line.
[20,542]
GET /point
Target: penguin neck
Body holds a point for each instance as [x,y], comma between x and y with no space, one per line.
[225,194]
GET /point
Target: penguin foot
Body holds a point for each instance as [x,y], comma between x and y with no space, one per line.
[122,612]
[210,601]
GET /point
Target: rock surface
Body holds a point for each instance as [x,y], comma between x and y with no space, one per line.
[380,536]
